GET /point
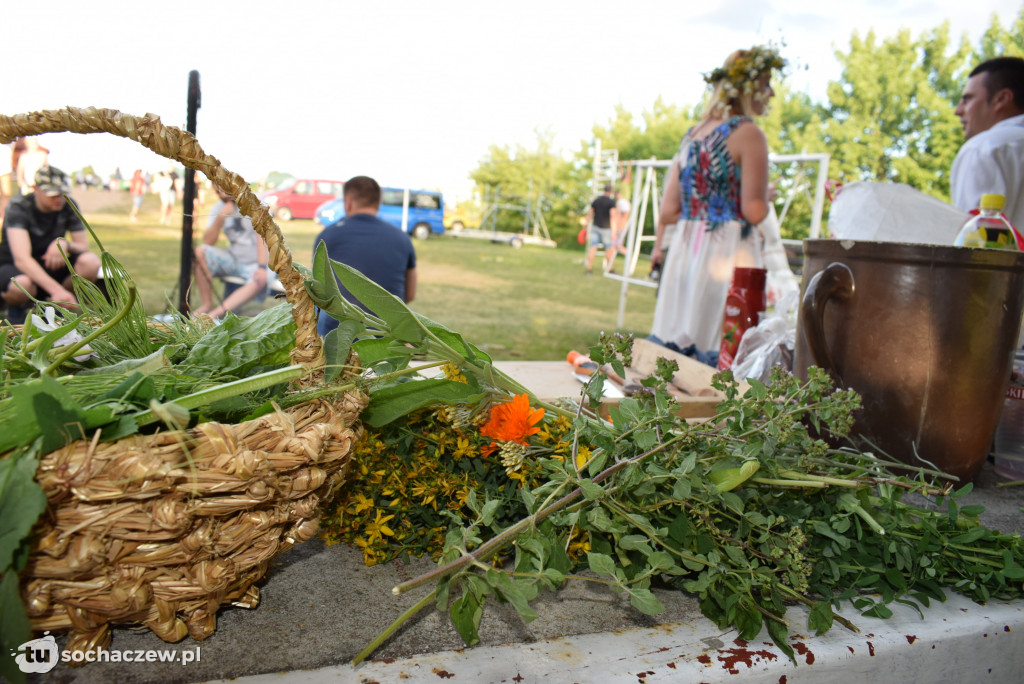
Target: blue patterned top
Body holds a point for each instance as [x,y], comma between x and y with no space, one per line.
[709,179]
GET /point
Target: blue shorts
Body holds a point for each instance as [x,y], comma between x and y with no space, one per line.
[601,237]
[223,265]
[136,201]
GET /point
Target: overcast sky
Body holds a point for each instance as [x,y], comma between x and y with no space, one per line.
[412,93]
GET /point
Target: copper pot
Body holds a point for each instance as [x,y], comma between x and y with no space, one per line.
[924,333]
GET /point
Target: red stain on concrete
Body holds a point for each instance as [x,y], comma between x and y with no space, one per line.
[1006,628]
[672,665]
[871,649]
[443,674]
[802,649]
[783,680]
[850,648]
[704,658]
[910,638]
[742,655]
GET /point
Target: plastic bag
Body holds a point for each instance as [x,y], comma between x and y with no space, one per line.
[893,212]
[770,343]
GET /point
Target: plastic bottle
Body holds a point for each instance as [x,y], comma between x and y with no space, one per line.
[1009,448]
[989,228]
[743,306]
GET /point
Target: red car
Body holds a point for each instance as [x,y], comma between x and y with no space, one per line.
[299,198]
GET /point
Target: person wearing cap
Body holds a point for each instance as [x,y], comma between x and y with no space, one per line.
[38,230]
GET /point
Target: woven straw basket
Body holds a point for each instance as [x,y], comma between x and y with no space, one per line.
[160,530]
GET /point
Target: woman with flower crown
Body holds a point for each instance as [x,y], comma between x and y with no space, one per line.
[718,192]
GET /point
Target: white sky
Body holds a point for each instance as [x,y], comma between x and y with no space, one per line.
[412,93]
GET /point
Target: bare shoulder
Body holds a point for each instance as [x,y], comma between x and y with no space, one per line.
[748,131]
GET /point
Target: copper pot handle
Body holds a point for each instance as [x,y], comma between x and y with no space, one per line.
[834,281]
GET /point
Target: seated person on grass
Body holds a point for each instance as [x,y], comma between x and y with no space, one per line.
[37,228]
[245,258]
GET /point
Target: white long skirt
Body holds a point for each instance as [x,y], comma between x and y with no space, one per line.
[695,281]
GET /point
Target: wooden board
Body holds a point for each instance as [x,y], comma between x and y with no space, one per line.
[551,380]
[693,377]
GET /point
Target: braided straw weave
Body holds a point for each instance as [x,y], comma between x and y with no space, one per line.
[162,529]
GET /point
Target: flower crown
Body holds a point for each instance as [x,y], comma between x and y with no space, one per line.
[742,74]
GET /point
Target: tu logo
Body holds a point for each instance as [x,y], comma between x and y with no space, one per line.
[37,656]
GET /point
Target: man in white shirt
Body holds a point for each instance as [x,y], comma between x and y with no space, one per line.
[991,160]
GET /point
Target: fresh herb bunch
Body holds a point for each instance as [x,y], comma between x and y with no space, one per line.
[411,479]
[749,510]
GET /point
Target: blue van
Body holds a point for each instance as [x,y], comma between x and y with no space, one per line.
[417,212]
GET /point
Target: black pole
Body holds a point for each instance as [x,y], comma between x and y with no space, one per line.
[188,201]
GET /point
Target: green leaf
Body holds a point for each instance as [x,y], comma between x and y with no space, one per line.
[455,341]
[601,564]
[15,627]
[554,577]
[21,503]
[896,579]
[465,613]
[645,601]
[511,592]
[879,610]
[488,511]
[971,535]
[779,632]
[238,345]
[389,403]
[820,617]
[635,542]
[337,345]
[681,489]
[591,491]
[404,324]
[376,349]
[323,281]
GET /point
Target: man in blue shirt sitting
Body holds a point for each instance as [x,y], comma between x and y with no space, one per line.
[383,253]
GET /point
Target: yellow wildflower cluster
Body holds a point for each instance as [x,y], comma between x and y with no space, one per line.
[743,72]
[405,475]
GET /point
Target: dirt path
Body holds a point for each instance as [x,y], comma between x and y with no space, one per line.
[101,201]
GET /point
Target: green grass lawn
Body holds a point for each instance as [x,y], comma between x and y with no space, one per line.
[530,303]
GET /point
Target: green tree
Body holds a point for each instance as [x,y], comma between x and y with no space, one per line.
[887,121]
[999,42]
[523,176]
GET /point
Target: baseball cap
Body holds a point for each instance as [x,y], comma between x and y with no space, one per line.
[52,181]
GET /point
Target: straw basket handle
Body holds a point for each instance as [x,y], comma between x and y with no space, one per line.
[181,146]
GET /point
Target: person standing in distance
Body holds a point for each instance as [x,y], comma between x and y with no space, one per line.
[378,250]
[991,111]
[600,219]
[718,194]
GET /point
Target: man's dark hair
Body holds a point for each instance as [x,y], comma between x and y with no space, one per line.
[1003,72]
[363,191]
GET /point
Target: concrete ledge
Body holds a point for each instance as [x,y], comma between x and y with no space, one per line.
[957,641]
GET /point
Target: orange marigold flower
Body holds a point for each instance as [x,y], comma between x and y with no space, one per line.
[513,421]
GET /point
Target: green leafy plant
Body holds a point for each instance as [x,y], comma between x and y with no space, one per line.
[750,510]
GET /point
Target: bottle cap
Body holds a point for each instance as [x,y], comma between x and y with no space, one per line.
[992,202]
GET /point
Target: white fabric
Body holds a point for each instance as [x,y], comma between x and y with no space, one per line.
[992,162]
[695,281]
[781,280]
